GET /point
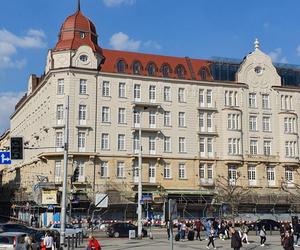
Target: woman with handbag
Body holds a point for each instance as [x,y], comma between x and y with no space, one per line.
[93,244]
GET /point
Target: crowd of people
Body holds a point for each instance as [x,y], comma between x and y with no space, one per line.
[225,230]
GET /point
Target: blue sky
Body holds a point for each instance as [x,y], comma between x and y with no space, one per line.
[194,28]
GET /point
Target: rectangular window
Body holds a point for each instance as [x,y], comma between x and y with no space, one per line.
[105,89]
[266,124]
[167,171]
[232,175]
[167,118]
[253,123]
[233,146]
[181,119]
[152,173]
[121,116]
[136,144]
[286,102]
[152,145]
[122,90]
[105,114]
[82,115]
[82,86]
[182,174]
[252,100]
[202,146]
[121,142]
[209,122]
[233,121]
[290,125]
[202,171]
[81,141]
[271,175]
[167,144]
[201,122]
[105,141]
[182,145]
[252,175]
[167,94]
[181,95]
[60,114]
[152,119]
[253,147]
[265,101]
[137,119]
[120,169]
[289,177]
[81,165]
[230,98]
[104,169]
[210,172]
[209,97]
[59,141]
[152,93]
[137,92]
[210,147]
[267,147]
[201,97]
[57,171]
[290,148]
[60,87]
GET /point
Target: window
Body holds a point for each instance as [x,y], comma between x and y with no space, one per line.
[167,144]
[120,169]
[152,173]
[201,121]
[265,101]
[253,147]
[290,148]
[233,146]
[121,142]
[182,145]
[81,141]
[209,122]
[201,97]
[209,97]
[203,74]
[182,174]
[286,102]
[135,171]
[105,114]
[122,90]
[152,119]
[202,171]
[82,87]
[289,177]
[233,121]
[60,114]
[105,89]
[181,119]
[180,72]
[137,92]
[210,147]
[137,119]
[290,125]
[59,141]
[82,115]
[271,175]
[202,146]
[231,98]
[253,123]
[121,116]
[136,144]
[167,118]
[167,94]
[57,171]
[251,175]
[252,100]
[60,87]
[167,171]
[152,93]
[121,66]
[137,67]
[151,69]
[232,175]
[152,145]
[81,171]
[181,95]
[165,70]
[266,124]
[267,147]
[104,169]
[209,172]
[105,141]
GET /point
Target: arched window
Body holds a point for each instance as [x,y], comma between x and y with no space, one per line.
[180,71]
[137,67]
[151,69]
[203,74]
[165,70]
[121,66]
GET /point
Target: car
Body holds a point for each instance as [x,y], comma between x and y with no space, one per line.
[70,229]
[267,223]
[11,227]
[12,241]
[121,229]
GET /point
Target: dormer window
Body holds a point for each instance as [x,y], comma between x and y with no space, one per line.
[151,69]
[180,71]
[165,70]
[203,74]
[82,35]
[83,58]
[121,66]
[137,68]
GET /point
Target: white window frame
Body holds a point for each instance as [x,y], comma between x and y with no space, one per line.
[181,119]
[266,123]
[167,144]
[82,114]
[120,169]
[81,141]
[167,119]
[60,114]
[152,145]
[167,94]
[181,95]
[209,97]
[60,86]
[152,119]
[265,101]
[121,142]
[167,171]
[232,175]
[137,92]
[267,147]
[271,175]
[201,121]
[105,115]
[209,122]
[252,100]
[152,93]
[82,86]
[59,141]
[210,147]
[152,173]
[106,89]
[136,144]
[201,98]
[137,118]
[104,173]
[181,171]
[202,147]
[253,123]
[253,147]
[122,116]
[122,90]
[252,175]
[104,141]
[181,144]
[57,171]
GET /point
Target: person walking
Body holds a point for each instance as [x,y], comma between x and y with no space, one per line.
[93,243]
[168,228]
[236,241]
[211,238]
[288,241]
[182,231]
[48,241]
[262,234]
[245,230]
[198,226]
[296,234]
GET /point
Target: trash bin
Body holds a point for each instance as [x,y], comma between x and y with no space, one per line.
[131,234]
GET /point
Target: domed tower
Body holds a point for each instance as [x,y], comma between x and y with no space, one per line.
[77,44]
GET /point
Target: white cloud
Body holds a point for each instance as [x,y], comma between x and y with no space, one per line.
[114,3]
[122,41]
[9,43]
[276,56]
[9,99]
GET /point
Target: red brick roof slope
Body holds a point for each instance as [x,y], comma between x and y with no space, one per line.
[192,67]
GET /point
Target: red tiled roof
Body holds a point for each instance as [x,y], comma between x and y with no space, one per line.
[192,67]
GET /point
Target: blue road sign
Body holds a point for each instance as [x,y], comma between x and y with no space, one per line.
[5,158]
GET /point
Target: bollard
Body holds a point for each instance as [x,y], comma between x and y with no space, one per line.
[68,242]
[72,241]
[76,240]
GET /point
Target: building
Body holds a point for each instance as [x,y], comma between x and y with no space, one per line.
[217,135]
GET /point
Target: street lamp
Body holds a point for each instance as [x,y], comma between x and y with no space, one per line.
[140,188]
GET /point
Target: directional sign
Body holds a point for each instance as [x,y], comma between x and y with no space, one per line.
[5,158]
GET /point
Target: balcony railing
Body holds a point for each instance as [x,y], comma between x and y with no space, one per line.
[206,181]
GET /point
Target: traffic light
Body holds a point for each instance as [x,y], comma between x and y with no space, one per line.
[16,148]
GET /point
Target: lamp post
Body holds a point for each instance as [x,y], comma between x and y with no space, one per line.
[140,188]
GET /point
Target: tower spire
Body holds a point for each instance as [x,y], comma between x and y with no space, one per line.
[78,5]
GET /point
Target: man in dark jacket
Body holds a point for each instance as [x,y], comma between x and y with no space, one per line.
[236,241]
[288,241]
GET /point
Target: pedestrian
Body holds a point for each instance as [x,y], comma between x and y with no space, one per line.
[288,241]
[211,238]
[245,230]
[168,228]
[262,234]
[296,234]
[48,241]
[28,242]
[208,227]
[236,241]
[198,226]
[182,231]
[93,243]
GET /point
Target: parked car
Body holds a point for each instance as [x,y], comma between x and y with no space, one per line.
[12,241]
[10,227]
[269,224]
[121,229]
[70,229]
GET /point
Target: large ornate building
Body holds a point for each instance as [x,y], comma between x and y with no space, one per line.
[215,133]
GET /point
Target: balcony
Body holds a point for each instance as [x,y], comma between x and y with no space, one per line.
[208,107]
[146,155]
[208,131]
[146,129]
[149,104]
[206,182]
[258,157]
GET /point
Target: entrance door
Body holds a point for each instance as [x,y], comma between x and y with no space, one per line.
[152,173]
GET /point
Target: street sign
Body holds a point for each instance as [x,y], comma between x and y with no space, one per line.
[172,209]
[101,200]
[147,197]
[5,158]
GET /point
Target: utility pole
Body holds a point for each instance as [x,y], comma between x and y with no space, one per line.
[65,177]
[140,188]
